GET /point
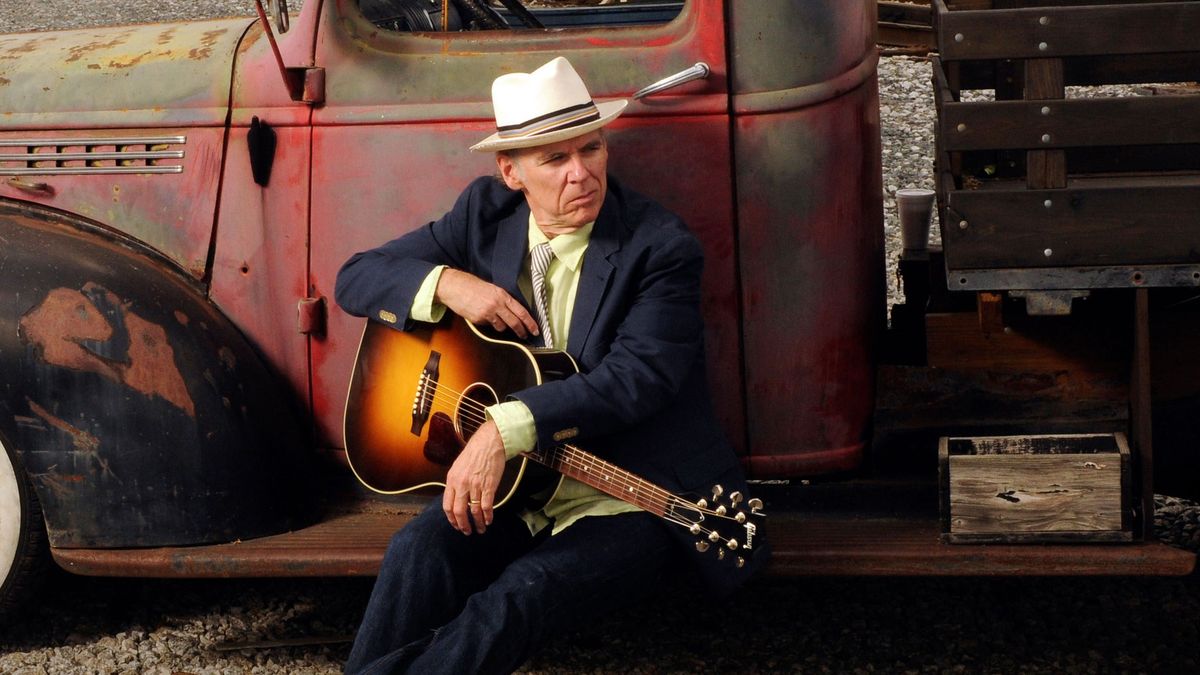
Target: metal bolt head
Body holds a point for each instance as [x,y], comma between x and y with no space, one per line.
[1042,46]
[1048,203]
[1048,252]
[1045,110]
[961,127]
[1044,20]
[1045,138]
[959,37]
[962,224]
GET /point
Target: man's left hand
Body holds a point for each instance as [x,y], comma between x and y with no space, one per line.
[472,480]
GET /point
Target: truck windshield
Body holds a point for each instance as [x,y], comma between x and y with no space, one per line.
[460,15]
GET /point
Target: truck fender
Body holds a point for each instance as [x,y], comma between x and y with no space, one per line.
[139,412]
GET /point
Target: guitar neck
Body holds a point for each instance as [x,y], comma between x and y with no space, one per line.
[605,477]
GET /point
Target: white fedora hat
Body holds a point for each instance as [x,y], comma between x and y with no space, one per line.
[550,104]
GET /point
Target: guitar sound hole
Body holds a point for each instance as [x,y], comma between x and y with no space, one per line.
[470,416]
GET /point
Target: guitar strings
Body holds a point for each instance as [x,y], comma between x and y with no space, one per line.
[654,498]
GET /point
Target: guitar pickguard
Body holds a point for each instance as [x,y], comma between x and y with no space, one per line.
[444,444]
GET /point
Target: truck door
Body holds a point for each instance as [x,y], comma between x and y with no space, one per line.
[389,147]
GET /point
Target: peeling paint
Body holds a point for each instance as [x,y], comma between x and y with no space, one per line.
[69,328]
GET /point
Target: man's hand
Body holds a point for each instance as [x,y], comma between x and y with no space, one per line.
[480,303]
[472,480]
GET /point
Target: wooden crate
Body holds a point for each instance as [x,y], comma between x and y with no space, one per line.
[1014,489]
[1045,180]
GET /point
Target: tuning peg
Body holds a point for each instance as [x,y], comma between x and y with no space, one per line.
[702,503]
[735,498]
[714,536]
[732,544]
[695,528]
[755,505]
[720,510]
[702,546]
[740,517]
[741,562]
[717,491]
[720,554]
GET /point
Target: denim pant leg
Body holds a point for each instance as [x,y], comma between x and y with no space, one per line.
[428,573]
[598,565]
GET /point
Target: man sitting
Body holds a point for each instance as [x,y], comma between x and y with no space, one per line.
[558,252]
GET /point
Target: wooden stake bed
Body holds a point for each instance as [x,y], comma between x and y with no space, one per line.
[852,528]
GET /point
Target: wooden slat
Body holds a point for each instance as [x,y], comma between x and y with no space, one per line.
[1045,169]
[1133,120]
[1114,222]
[1069,31]
[1140,407]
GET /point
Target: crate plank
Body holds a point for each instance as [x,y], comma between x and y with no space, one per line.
[1011,125]
[1093,222]
[1035,493]
[1067,31]
[1036,488]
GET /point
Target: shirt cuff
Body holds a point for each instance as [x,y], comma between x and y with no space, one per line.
[425,307]
[515,422]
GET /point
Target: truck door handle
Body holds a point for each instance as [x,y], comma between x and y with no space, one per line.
[696,72]
[31,186]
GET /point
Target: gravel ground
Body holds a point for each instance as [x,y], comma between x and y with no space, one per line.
[1080,625]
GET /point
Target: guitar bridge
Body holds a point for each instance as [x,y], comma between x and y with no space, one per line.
[426,389]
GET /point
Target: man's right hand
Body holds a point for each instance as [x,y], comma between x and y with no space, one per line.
[483,303]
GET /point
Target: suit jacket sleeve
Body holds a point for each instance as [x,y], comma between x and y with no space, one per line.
[383,281]
[657,348]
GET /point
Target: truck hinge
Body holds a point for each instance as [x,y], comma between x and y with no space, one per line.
[310,316]
[307,84]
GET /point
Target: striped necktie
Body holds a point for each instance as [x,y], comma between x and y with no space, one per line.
[539,262]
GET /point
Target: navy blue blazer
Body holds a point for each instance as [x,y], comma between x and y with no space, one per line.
[641,399]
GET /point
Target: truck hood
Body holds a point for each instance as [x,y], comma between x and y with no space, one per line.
[160,75]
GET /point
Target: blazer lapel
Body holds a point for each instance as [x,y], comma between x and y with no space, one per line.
[512,242]
[595,275]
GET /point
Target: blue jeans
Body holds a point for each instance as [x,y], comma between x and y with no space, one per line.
[445,602]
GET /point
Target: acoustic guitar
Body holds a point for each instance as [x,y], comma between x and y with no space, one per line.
[417,396]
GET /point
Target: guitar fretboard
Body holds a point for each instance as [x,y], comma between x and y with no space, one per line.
[606,477]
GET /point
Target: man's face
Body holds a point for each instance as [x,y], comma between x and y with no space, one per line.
[563,182]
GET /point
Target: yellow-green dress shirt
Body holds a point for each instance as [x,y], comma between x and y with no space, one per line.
[573,500]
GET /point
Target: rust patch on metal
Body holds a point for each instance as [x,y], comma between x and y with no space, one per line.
[79,51]
[166,36]
[83,441]
[207,41]
[67,318]
[86,444]
[132,62]
[227,358]
[4,81]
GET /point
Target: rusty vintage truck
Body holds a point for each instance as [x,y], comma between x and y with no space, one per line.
[177,199]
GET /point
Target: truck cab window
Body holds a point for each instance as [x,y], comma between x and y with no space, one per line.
[419,16]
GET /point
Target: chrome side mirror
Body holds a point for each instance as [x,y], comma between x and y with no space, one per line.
[279,11]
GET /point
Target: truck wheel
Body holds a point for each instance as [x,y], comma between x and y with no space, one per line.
[23,550]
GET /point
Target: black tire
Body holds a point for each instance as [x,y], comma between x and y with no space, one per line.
[24,554]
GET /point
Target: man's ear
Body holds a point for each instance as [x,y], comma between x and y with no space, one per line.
[507,166]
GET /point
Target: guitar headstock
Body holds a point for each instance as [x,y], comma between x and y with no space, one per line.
[725,524]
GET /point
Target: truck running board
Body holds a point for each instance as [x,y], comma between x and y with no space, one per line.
[813,532]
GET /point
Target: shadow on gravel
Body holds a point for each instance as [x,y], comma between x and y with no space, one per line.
[796,625]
